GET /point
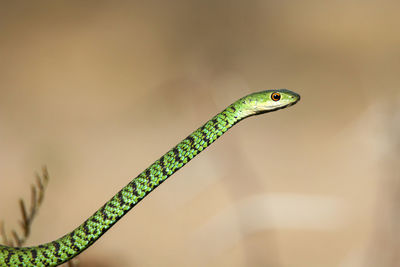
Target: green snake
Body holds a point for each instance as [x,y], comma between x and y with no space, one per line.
[73,243]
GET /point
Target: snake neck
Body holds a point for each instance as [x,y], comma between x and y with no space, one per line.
[72,244]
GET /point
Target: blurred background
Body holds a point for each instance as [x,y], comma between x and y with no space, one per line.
[98,90]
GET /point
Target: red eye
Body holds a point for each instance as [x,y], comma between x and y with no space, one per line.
[276,96]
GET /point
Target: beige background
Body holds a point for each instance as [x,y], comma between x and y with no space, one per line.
[97,90]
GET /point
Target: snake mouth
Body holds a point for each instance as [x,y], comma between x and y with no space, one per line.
[297,99]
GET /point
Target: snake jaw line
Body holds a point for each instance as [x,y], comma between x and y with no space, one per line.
[262,102]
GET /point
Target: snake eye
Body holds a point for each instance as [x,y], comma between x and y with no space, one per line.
[276,96]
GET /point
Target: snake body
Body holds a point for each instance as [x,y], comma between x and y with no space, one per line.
[73,243]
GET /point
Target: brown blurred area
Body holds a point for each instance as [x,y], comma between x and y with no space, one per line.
[98,90]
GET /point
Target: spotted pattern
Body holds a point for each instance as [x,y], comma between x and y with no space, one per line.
[72,244]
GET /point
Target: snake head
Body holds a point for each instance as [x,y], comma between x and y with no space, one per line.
[266,101]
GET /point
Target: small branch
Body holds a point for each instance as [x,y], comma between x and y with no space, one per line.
[37,196]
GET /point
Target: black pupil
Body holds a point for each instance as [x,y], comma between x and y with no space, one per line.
[276,96]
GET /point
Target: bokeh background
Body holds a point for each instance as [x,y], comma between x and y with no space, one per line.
[98,90]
